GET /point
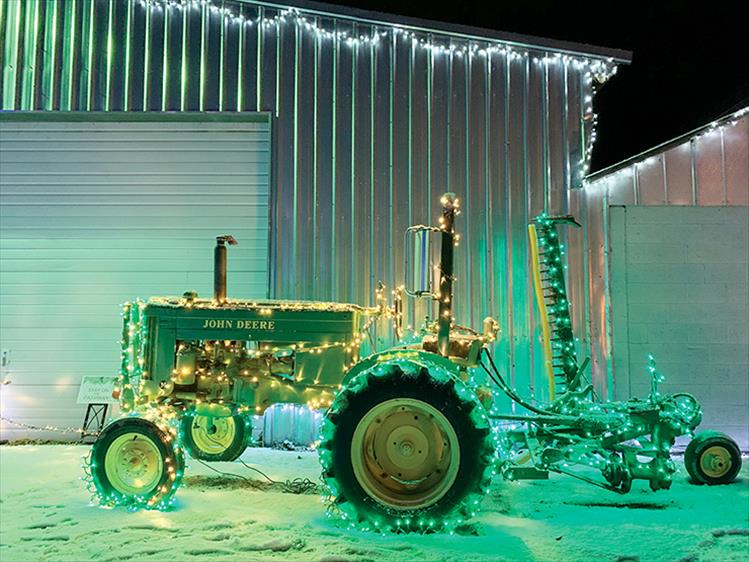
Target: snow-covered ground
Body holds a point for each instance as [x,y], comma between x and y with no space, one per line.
[45,515]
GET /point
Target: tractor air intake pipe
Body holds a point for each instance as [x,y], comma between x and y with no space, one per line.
[450,208]
[219,267]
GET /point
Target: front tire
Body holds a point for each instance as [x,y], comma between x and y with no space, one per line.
[135,463]
[215,439]
[406,450]
[712,458]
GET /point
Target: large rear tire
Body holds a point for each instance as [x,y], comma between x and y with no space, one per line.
[406,450]
[136,463]
[215,439]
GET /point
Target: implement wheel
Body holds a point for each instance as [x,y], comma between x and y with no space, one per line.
[210,438]
[406,451]
[712,457]
[134,463]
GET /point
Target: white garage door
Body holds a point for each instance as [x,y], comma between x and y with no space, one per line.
[99,209]
[680,290]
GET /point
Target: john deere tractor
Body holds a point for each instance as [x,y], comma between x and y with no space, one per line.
[407,443]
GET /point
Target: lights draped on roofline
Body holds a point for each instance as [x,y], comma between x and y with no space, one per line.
[628,167]
[601,69]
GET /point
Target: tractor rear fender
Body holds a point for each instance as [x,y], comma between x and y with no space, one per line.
[437,365]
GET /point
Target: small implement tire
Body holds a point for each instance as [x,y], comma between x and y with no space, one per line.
[406,450]
[712,458]
[135,463]
[214,439]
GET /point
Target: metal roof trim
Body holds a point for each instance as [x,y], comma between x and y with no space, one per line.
[618,56]
[664,146]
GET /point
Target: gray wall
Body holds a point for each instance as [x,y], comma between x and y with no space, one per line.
[708,167]
[367,135]
[680,290]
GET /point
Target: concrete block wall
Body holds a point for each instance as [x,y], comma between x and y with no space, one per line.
[680,290]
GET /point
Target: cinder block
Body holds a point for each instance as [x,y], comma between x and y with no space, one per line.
[656,233]
[654,214]
[687,312]
[638,333]
[737,332]
[653,252]
[713,293]
[708,332]
[668,333]
[730,273]
[729,394]
[703,215]
[737,292]
[730,353]
[666,273]
[646,312]
[708,251]
[660,292]
[727,374]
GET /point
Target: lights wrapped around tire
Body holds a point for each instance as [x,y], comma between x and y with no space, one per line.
[406,447]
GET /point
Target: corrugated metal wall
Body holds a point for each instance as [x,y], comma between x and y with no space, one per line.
[706,168]
[373,122]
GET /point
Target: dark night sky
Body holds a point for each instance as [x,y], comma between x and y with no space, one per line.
[690,59]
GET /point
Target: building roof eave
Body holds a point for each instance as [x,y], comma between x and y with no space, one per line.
[664,146]
[618,56]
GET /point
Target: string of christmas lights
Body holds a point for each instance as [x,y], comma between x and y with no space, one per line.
[630,167]
[601,69]
[50,428]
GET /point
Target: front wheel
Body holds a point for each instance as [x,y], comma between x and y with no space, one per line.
[136,463]
[406,450]
[712,457]
[211,438]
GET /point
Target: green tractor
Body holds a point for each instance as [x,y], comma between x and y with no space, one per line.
[407,443]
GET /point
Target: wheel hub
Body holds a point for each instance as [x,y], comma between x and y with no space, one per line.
[715,461]
[405,453]
[133,464]
[213,435]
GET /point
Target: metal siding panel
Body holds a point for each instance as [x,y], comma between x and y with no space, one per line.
[736,150]
[597,289]
[305,180]
[361,185]
[678,175]
[382,185]
[474,244]
[556,140]
[651,182]
[459,135]
[578,240]
[709,169]
[423,209]
[324,163]
[537,190]
[343,218]
[441,64]
[285,193]
[516,225]
[499,197]
[401,154]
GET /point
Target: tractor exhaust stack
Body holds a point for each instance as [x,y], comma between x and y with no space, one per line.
[219,267]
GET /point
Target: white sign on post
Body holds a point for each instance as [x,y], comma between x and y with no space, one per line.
[96,390]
